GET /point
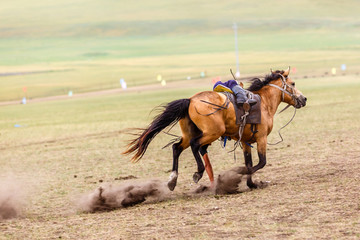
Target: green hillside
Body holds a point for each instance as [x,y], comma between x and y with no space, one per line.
[43,18]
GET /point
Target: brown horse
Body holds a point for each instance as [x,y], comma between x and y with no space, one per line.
[200,130]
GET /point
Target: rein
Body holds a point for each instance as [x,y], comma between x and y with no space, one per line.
[283,89]
[292,118]
[237,143]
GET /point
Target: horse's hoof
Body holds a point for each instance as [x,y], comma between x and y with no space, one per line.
[197,176]
[171,185]
[172,181]
[201,189]
[251,184]
[259,185]
[263,184]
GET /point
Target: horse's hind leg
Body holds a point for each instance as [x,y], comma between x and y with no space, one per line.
[177,150]
[188,129]
[195,147]
[200,144]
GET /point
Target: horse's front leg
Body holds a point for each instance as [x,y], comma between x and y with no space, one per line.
[248,164]
[261,149]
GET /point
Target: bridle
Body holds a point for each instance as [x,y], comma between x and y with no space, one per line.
[283,88]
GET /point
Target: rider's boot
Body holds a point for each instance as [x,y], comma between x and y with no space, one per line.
[241,98]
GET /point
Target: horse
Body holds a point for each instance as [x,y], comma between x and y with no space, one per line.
[200,130]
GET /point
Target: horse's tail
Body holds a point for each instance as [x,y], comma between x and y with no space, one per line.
[174,111]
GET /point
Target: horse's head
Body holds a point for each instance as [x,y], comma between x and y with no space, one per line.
[290,94]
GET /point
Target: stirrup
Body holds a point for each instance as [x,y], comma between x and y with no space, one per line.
[246,106]
[252,102]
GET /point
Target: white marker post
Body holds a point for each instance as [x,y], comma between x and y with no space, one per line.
[123,84]
[237,74]
[343,67]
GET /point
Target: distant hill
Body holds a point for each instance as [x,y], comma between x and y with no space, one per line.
[43,18]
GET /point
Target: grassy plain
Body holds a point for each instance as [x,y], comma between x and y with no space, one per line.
[64,148]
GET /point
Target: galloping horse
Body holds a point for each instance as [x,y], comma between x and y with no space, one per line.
[200,130]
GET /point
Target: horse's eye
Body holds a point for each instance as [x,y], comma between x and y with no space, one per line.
[293,84]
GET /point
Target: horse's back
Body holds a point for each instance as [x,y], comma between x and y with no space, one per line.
[211,109]
[207,101]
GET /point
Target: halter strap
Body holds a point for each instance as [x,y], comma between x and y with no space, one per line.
[283,88]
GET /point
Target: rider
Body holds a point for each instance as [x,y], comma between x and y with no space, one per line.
[239,92]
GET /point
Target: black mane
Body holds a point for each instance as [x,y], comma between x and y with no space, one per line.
[257,83]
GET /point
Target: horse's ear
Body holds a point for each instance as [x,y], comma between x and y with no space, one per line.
[287,71]
[241,84]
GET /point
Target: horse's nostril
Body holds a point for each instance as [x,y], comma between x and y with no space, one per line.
[305,99]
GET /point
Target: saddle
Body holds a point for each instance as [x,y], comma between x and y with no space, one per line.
[254,116]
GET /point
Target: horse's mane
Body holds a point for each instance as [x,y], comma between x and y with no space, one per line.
[257,83]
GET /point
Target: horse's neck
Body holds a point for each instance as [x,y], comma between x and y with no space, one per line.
[270,100]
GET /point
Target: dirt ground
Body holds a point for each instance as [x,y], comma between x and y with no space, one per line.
[314,198]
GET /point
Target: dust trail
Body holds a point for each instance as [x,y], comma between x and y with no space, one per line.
[228,182]
[12,198]
[108,196]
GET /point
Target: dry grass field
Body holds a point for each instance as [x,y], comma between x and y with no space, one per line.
[62,149]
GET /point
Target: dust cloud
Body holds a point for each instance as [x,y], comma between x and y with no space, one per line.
[108,196]
[228,182]
[12,198]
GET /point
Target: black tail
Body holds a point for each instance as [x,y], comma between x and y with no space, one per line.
[174,111]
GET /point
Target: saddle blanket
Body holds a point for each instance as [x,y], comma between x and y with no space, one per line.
[254,116]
